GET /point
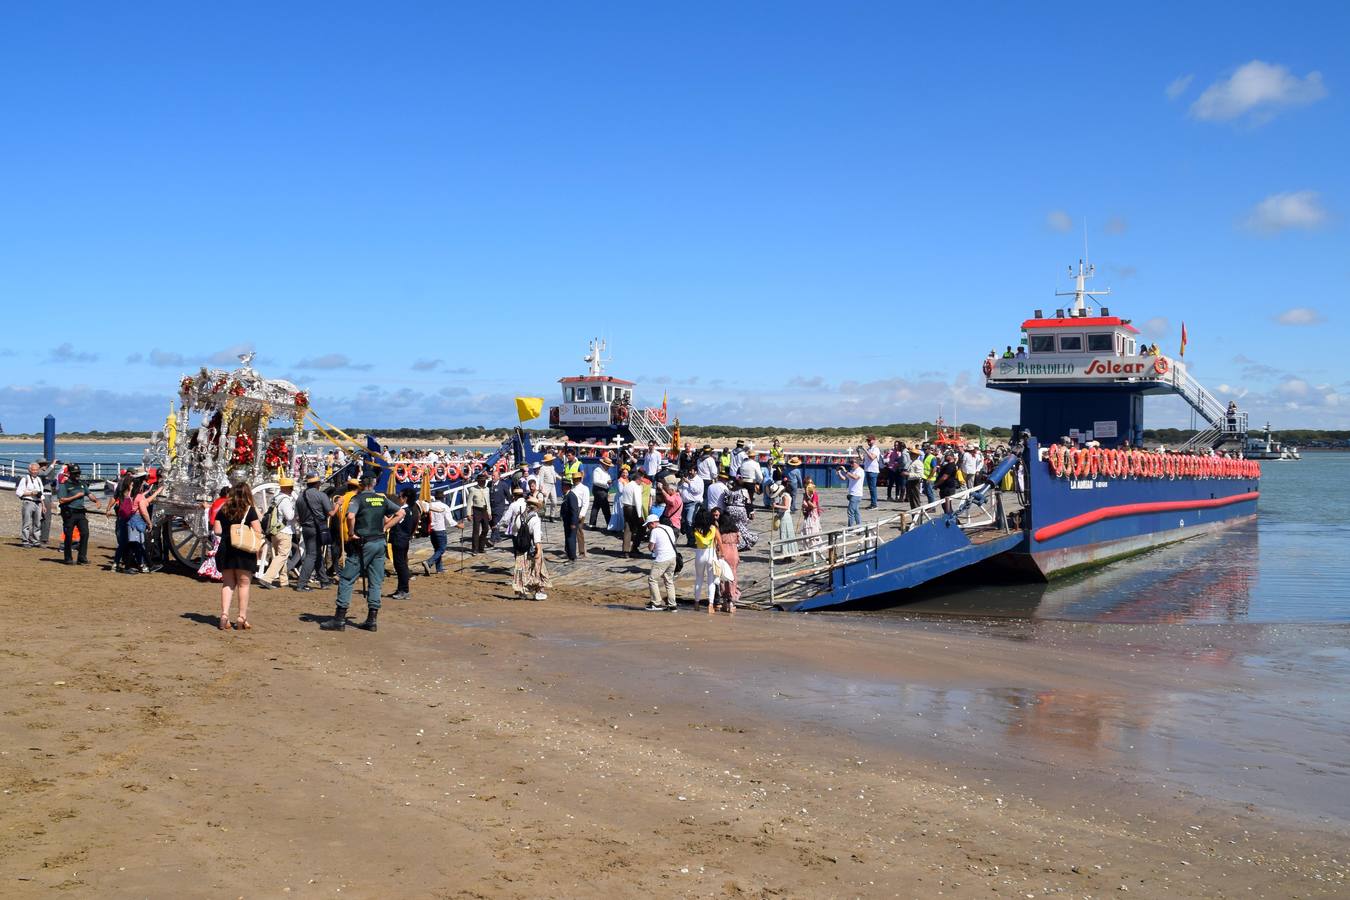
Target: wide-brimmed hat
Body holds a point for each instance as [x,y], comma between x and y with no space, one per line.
[517,492]
[548,457]
[313,479]
[775,489]
[353,482]
[534,501]
[605,459]
[795,461]
[285,482]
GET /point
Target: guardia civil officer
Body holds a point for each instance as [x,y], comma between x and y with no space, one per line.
[369,516]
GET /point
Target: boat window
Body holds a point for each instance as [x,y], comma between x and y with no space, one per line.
[609,392]
[1042,343]
[1101,343]
[1070,343]
[581,394]
[569,394]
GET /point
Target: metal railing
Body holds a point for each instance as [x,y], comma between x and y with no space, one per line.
[807,560]
[91,471]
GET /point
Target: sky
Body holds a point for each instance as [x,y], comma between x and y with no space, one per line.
[793,214]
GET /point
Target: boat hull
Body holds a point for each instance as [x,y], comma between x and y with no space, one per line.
[1079,523]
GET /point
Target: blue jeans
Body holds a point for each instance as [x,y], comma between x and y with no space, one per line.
[438,544]
[928,490]
[872,485]
[854,513]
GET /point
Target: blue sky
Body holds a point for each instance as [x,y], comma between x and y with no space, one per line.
[786,213]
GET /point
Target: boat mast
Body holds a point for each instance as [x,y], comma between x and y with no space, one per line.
[1080,293]
[593,358]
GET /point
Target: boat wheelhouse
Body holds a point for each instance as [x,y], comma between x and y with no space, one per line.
[601,408]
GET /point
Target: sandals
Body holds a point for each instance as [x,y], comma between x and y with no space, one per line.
[243,625]
[224,623]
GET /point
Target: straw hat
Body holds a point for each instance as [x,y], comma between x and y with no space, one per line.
[795,461]
[548,457]
[285,482]
[313,479]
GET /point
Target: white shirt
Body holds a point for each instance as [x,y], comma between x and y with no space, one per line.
[286,507]
[631,494]
[751,471]
[441,518]
[737,457]
[663,546]
[583,499]
[514,511]
[600,477]
[707,469]
[29,487]
[548,477]
[536,532]
[717,495]
[855,485]
[652,463]
[691,490]
[872,459]
[970,462]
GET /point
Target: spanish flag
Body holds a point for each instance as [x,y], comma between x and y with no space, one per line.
[1183,339]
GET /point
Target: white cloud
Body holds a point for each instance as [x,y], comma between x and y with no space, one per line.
[1282,212]
[1058,220]
[1178,86]
[1156,328]
[1300,315]
[1116,225]
[230,355]
[66,353]
[159,357]
[426,365]
[329,361]
[1259,89]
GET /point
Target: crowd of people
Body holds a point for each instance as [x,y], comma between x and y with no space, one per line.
[652,500]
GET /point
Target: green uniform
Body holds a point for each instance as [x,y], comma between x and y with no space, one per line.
[370,510]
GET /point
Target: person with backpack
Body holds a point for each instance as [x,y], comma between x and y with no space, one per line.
[279,529]
[313,511]
[530,576]
[665,560]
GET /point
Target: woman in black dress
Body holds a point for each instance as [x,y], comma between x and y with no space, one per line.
[236,565]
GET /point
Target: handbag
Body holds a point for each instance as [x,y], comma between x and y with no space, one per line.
[245,539]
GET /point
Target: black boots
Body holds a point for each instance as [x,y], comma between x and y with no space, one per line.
[370,624]
[337,623]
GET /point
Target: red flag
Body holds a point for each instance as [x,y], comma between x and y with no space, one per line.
[1183,339]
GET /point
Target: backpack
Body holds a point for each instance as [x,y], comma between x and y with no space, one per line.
[522,542]
[272,523]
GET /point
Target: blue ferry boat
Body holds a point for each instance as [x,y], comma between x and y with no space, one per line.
[1093,493]
[1084,491]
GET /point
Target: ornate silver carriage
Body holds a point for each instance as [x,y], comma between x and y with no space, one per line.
[219,435]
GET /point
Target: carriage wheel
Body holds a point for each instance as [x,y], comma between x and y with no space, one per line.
[188,549]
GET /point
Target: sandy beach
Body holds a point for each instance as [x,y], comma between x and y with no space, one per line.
[480,747]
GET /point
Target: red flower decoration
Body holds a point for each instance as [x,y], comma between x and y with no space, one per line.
[243,450]
[278,453]
[301,399]
[185,387]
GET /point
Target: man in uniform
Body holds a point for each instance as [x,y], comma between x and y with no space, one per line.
[479,501]
[369,515]
[71,495]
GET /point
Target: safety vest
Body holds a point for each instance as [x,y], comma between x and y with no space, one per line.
[775,456]
[930,468]
[572,468]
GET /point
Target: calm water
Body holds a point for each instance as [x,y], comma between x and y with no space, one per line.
[126,453]
[1291,565]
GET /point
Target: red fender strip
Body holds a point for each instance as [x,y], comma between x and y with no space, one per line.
[1050,532]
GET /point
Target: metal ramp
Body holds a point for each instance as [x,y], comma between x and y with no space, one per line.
[646,425]
[1222,427]
[894,553]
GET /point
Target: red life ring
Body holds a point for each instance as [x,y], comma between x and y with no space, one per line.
[500,467]
[988,367]
[621,413]
[400,472]
[1160,365]
[414,472]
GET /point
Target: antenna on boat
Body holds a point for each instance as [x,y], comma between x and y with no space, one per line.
[1080,293]
[594,357]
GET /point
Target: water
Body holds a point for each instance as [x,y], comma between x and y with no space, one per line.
[125,453]
[1292,564]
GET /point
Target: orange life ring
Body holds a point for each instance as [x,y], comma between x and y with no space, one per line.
[414,472]
[621,413]
[1160,365]
[452,472]
[988,367]
[500,467]
[400,472]
[1055,457]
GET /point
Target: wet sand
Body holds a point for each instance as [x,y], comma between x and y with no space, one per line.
[477,746]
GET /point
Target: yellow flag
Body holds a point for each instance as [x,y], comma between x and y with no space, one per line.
[529,407]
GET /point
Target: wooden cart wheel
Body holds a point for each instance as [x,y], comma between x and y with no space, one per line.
[185,547]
